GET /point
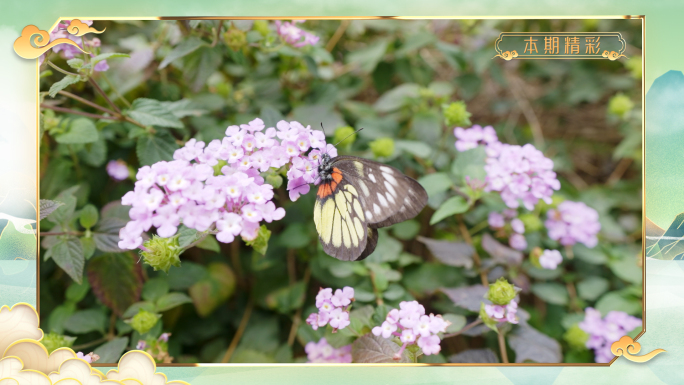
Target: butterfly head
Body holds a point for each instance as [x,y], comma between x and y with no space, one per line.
[325,168]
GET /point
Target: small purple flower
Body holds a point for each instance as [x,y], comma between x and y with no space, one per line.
[518,242]
[293,35]
[496,220]
[603,332]
[550,259]
[412,326]
[117,170]
[573,222]
[142,345]
[164,337]
[322,352]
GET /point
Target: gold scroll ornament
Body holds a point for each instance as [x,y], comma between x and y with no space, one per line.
[34,42]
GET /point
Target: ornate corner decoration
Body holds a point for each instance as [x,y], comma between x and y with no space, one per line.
[627,347]
[34,42]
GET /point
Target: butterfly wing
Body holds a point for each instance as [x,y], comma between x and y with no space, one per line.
[388,196]
[339,219]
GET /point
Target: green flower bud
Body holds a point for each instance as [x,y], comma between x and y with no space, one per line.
[426,93]
[162,253]
[531,222]
[620,105]
[576,337]
[260,243]
[274,180]
[218,166]
[53,341]
[382,147]
[235,39]
[633,64]
[344,133]
[143,321]
[261,26]
[455,114]
[501,292]
[534,257]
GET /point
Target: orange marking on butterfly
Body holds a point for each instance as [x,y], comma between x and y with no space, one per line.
[326,189]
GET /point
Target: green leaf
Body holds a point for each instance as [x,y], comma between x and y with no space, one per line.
[105,56]
[591,288]
[181,278]
[626,268]
[450,252]
[86,321]
[111,351]
[76,292]
[154,148]
[469,297]
[367,58]
[136,307]
[75,63]
[295,236]
[68,255]
[530,344]
[457,322]
[214,289]
[209,243]
[406,230]
[475,356]
[59,316]
[106,234]
[171,300]
[618,301]
[452,206]
[287,299]
[553,293]
[47,207]
[435,183]
[80,130]
[155,288]
[200,64]
[371,349]
[260,243]
[186,236]
[151,112]
[116,280]
[593,256]
[185,47]
[414,147]
[95,153]
[62,84]
[470,163]
[89,216]
[397,97]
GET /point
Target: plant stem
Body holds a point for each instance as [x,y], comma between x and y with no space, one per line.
[338,34]
[476,257]
[465,329]
[196,242]
[47,233]
[239,332]
[104,76]
[378,296]
[235,259]
[218,33]
[298,315]
[89,344]
[76,112]
[291,266]
[87,102]
[502,347]
[104,95]
[65,72]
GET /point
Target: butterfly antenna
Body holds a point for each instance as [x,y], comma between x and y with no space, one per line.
[347,137]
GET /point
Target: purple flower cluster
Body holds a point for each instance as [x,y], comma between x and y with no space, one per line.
[550,259]
[322,353]
[333,309]
[412,326]
[498,221]
[293,35]
[117,170]
[69,51]
[603,332]
[503,313]
[573,222]
[232,202]
[470,138]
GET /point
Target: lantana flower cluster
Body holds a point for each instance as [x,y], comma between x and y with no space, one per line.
[498,221]
[333,309]
[413,326]
[503,306]
[518,173]
[573,222]
[218,187]
[293,35]
[550,259]
[68,50]
[322,352]
[604,331]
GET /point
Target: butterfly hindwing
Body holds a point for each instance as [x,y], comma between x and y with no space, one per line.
[387,194]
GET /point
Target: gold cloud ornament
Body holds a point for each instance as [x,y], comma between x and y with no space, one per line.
[627,347]
[139,367]
[79,28]
[34,42]
[18,322]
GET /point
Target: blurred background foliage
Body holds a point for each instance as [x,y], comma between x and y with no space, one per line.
[408,83]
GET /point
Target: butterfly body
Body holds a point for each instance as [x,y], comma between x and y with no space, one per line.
[357,196]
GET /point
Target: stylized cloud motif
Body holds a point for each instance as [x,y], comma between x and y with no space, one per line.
[627,347]
[20,224]
[139,367]
[17,323]
[79,28]
[33,42]
[79,370]
[35,356]
[11,372]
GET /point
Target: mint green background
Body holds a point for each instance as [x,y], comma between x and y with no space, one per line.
[664,195]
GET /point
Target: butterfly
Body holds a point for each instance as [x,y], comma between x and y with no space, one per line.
[357,196]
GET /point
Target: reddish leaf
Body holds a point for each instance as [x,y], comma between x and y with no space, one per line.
[116,280]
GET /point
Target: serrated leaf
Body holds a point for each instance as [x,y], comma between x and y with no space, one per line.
[397,97]
[154,148]
[371,349]
[214,289]
[551,292]
[171,300]
[185,47]
[81,130]
[186,236]
[468,297]
[62,84]
[116,280]
[106,234]
[475,356]
[68,254]
[530,344]
[182,108]
[209,243]
[500,253]
[88,216]
[47,207]
[111,351]
[435,183]
[367,58]
[449,252]
[155,288]
[86,321]
[452,206]
[151,112]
